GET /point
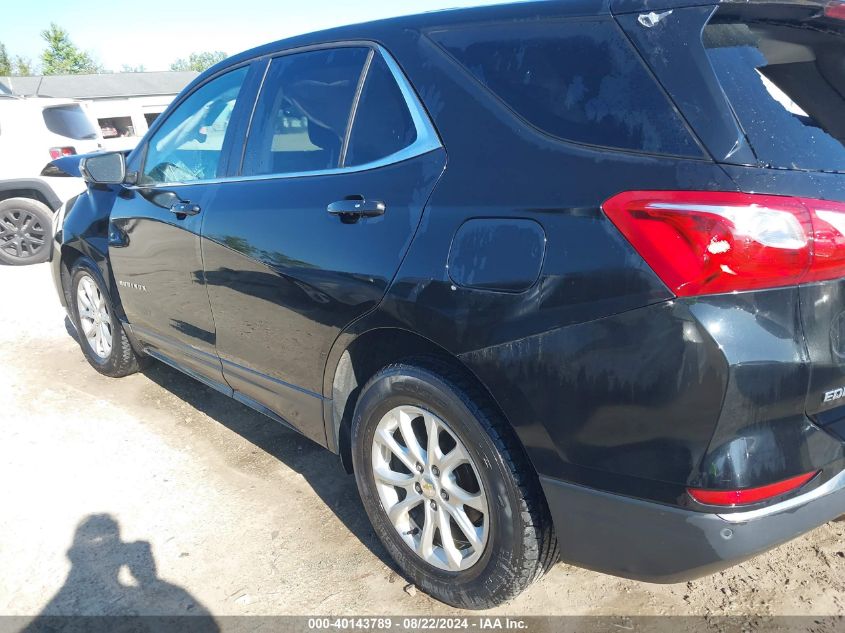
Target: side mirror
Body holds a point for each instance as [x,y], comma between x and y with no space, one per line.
[108,168]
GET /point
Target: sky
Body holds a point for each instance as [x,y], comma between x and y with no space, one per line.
[154,33]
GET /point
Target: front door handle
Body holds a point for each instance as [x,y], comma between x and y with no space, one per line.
[183,209]
[356,208]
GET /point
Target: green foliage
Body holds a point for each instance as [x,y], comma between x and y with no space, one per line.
[5,62]
[199,61]
[22,66]
[62,57]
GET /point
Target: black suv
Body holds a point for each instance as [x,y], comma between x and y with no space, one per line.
[554,279]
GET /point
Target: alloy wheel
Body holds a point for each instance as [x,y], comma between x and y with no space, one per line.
[22,235]
[430,489]
[94,317]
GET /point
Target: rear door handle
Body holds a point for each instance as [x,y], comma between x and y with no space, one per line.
[357,208]
[185,208]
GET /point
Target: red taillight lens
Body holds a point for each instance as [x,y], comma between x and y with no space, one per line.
[749,495]
[828,240]
[835,10]
[705,242]
[58,152]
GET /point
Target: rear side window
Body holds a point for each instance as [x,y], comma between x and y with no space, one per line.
[69,121]
[786,84]
[303,112]
[383,123]
[577,80]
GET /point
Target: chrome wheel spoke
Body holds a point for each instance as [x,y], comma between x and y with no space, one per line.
[454,458]
[393,446]
[438,506]
[463,522]
[432,428]
[88,327]
[426,550]
[392,478]
[94,318]
[459,496]
[416,451]
[400,510]
[453,554]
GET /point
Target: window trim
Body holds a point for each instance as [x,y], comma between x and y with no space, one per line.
[353,111]
[142,149]
[427,139]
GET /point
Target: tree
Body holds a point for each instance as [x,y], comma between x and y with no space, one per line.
[22,66]
[62,57]
[199,61]
[127,68]
[5,62]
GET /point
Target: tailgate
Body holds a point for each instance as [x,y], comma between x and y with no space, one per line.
[823,317]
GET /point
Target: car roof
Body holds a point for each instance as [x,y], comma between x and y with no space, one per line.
[525,9]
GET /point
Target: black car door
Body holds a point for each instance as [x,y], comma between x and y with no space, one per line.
[339,163]
[154,243]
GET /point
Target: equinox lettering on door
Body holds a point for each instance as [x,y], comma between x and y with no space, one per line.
[132,286]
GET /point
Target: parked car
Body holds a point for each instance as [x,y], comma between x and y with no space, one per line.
[550,277]
[33,132]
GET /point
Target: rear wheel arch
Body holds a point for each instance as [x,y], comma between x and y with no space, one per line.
[522,544]
[372,351]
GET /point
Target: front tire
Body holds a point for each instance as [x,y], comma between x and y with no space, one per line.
[473,536]
[100,333]
[25,231]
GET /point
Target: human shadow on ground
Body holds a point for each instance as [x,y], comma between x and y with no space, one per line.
[320,468]
[96,596]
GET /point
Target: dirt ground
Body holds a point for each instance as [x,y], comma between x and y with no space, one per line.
[155,495]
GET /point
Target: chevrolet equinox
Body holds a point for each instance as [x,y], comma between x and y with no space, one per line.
[556,280]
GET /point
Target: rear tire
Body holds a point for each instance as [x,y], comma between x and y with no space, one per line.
[519,543]
[26,231]
[99,331]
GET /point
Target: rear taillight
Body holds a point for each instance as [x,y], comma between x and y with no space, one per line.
[58,152]
[749,495]
[705,242]
[835,10]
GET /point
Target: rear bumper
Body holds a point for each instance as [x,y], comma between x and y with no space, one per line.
[652,542]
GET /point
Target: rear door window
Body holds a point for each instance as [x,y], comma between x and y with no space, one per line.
[302,114]
[383,124]
[578,80]
[785,79]
[69,121]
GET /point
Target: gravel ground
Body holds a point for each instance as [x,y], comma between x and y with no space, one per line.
[153,494]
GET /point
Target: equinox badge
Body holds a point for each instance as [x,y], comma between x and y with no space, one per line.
[834,394]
